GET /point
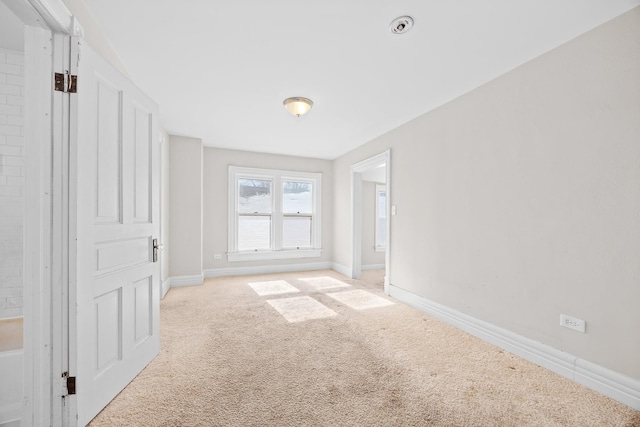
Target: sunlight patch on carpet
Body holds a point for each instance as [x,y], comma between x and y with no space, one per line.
[360,299]
[299,309]
[325,282]
[274,287]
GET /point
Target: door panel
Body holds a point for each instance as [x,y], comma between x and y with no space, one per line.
[143,314]
[108,158]
[108,331]
[142,166]
[117,217]
[116,255]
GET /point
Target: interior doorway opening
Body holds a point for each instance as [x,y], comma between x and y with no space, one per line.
[370,222]
[34,158]
[12,214]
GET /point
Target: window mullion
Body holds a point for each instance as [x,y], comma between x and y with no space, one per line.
[277,213]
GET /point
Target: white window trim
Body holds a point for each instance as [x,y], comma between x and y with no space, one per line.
[380,246]
[277,176]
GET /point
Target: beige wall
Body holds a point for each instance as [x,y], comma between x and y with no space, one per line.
[165,208]
[185,210]
[369,254]
[520,200]
[216,163]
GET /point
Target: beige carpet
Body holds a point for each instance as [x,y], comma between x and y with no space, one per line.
[229,358]
[11,334]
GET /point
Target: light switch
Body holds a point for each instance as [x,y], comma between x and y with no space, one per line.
[393,209]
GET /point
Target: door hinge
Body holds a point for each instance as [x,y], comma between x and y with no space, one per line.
[65,82]
[71,383]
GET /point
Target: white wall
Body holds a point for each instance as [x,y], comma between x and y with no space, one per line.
[93,34]
[185,213]
[11,182]
[216,162]
[520,200]
[369,254]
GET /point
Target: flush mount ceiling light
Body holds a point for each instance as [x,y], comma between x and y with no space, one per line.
[401,25]
[298,105]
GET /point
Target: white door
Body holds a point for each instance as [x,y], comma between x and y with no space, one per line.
[114,169]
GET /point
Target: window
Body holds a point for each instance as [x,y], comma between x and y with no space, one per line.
[254,213]
[273,214]
[381,217]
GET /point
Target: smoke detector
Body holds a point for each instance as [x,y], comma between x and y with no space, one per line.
[401,25]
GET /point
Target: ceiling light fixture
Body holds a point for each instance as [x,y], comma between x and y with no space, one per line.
[298,105]
[401,25]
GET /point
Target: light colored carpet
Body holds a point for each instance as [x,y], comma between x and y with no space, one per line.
[324,282]
[11,334]
[228,358]
[273,287]
[299,309]
[359,299]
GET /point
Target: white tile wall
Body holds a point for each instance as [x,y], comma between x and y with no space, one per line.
[11,181]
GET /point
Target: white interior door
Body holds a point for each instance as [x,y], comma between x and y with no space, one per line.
[115,158]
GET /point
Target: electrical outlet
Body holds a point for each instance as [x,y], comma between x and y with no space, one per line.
[217,256]
[572,323]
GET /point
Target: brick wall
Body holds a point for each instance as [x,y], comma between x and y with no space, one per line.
[11,181]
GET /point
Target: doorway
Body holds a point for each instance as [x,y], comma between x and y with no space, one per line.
[12,215]
[370,221]
[32,165]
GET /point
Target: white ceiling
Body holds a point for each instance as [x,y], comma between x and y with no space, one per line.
[11,30]
[221,69]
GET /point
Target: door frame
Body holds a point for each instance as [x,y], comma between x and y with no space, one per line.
[48,25]
[356,213]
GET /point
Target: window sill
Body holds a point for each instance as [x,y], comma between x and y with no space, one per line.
[380,249]
[272,255]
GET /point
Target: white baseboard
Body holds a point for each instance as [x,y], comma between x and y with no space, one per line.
[166,285]
[373,267]
[16,422]
[266,269]
[612,384]
[342,269]
[194,280]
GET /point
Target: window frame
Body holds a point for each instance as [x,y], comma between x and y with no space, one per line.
[380,245]
[277,251]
